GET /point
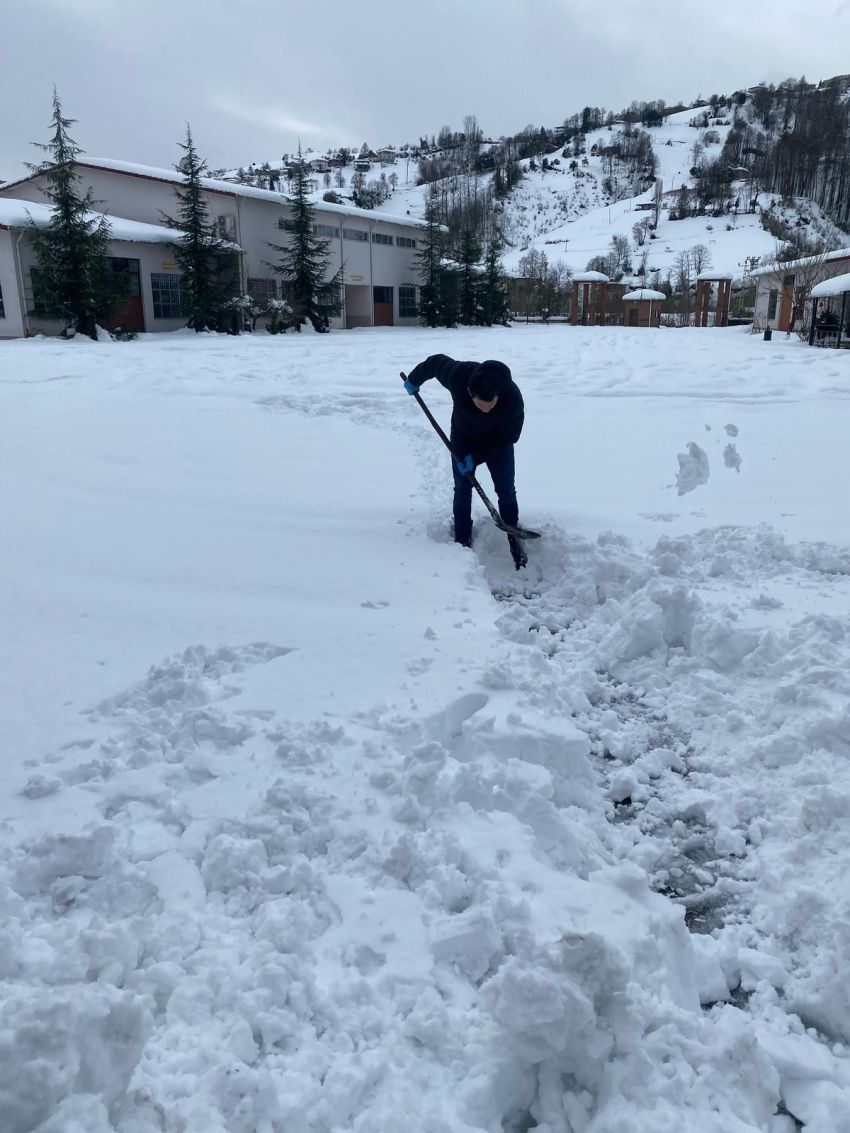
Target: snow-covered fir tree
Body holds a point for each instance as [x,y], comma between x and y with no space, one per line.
[74,282]
[303,263]
[494,287]
[469,281]
[207,263]
[429,261]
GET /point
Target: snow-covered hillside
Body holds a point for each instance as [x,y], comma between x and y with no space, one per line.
[565,211]
[593,219]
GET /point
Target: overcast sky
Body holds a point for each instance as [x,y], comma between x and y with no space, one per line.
[254,76]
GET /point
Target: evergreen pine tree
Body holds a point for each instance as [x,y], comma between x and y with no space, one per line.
[206,271]
[470,254]
[429,261]
[304,260]
[449,295]
[74,281]
[494,288]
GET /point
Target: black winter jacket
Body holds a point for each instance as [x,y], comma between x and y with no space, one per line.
[473,431]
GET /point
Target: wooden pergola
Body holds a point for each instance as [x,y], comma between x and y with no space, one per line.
[593,286]
[705,287]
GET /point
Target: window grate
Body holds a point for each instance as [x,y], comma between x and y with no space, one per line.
[167,296]
[262,290]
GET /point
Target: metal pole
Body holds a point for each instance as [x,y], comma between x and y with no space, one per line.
[25,319]
[841,323]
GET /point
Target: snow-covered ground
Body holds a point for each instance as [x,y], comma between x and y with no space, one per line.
[313,821]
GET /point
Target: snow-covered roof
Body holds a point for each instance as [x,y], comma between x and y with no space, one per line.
[21,214]
[590,277]
[835,286]
[232,188]
[778,269]
[645,293]
[714,276]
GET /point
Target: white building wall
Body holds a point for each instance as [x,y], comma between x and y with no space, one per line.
[772,281]
[152,258]
[12,323]
[255,228]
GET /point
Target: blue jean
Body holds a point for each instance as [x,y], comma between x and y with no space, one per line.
[500,465]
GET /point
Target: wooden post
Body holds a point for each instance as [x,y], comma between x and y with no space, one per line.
[724,290]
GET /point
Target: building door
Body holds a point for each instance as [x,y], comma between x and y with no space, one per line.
[786,303]
[634,317]
[357,313]
[382,300]
[129,314]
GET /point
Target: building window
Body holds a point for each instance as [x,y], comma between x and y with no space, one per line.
[127,277]
[262,290]
[226,226]
[2,308]
[281,222]
[356,234]
[381,238]
[771,303]
[382,294]
[407,307]
[37,298]
[167,296]
[326,230]
[405,242]
[330,298]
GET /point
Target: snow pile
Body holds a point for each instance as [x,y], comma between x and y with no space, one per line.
[316,821]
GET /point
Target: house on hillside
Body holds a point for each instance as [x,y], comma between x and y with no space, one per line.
[783,290]
[375,252]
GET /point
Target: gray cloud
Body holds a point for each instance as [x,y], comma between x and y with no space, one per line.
[255,76]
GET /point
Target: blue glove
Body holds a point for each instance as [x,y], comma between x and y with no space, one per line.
[465,466]
[410,387]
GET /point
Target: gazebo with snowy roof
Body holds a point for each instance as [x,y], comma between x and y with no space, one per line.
[593,286]
[706,282]
[643,307]
[830,312]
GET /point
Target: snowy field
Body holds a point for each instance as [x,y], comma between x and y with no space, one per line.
[313,821]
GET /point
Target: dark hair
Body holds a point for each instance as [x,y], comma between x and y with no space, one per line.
[489,380]
[483,385]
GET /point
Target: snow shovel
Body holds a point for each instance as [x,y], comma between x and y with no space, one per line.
[508,528]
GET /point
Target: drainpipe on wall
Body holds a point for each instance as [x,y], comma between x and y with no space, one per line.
[342,271]
[24,315]
[371,277]
[243,271]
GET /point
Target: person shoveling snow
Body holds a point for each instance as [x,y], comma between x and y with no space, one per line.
[487,419]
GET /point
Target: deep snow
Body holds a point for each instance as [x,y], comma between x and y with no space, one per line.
[314,821]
